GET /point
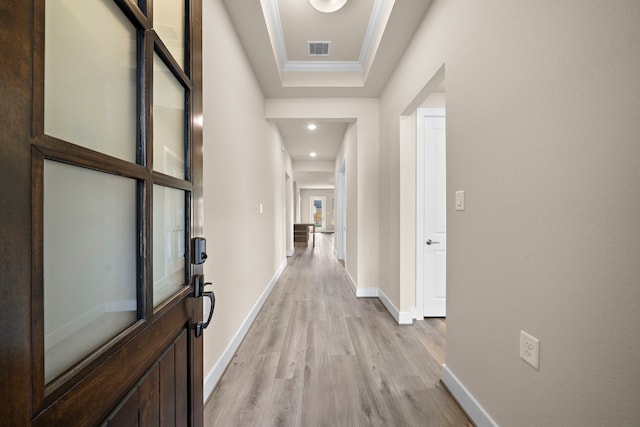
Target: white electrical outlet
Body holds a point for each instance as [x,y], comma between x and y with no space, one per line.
[530,349]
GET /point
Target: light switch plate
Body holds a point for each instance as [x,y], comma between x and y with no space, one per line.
[460,200]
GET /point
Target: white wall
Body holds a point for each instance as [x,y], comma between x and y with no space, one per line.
[347,154]
[329,195]
[289,212]
[296,203]
[361,149]
[543,124]
[435,100]
[244,167]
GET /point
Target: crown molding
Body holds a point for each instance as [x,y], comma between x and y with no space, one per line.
[377,23]
[310,66]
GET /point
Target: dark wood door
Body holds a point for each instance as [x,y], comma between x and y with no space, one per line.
[100,189]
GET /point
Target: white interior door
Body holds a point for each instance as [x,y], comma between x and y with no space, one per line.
[435,217]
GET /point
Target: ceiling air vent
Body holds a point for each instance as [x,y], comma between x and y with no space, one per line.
[318,48]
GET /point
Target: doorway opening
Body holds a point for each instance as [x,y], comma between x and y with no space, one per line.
[431,218]
[288,214]
[318,213]
[341,220]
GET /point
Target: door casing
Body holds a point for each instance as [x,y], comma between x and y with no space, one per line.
[323,199]
[420,202]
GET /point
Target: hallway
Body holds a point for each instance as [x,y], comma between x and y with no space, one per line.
[317,356]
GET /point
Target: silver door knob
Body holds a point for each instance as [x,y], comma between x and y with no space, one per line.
[431,242]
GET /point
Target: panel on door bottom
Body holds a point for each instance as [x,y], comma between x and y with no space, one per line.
[161,397]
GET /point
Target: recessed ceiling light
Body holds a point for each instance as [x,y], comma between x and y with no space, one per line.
[311,126]
[313,154]
[327,6]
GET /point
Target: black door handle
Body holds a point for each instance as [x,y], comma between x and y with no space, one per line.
[200,326]
[199,292]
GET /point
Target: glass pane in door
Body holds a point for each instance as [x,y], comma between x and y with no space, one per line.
[168,242]
[317,213]
[90,76]
[169,23]
[89,262]
[168,121]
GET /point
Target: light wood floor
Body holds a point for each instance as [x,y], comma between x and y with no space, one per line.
[317,356]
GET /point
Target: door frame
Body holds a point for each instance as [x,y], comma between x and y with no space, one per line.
[288,214]
[323,199]
[421,114]
[341,221]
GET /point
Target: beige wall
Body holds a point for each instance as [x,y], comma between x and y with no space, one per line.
[289,212]
[244,166]
[347,154]
[361,149]
[296,203]
[543,131]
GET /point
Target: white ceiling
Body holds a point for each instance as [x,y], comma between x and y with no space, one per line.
[314,180]
[300,142]
[325,140]
[367,37]
[301,23]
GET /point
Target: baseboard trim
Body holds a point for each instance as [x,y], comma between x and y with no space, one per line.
[291,252]
[352,284]
[405,318]
[218,369]
[465,399]
[367,292]
[402,318]
[360,292]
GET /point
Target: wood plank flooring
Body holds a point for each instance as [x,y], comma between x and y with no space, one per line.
[318,356]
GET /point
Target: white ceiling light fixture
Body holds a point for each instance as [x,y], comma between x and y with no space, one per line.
[327,6]
[311,126]
[313,154]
